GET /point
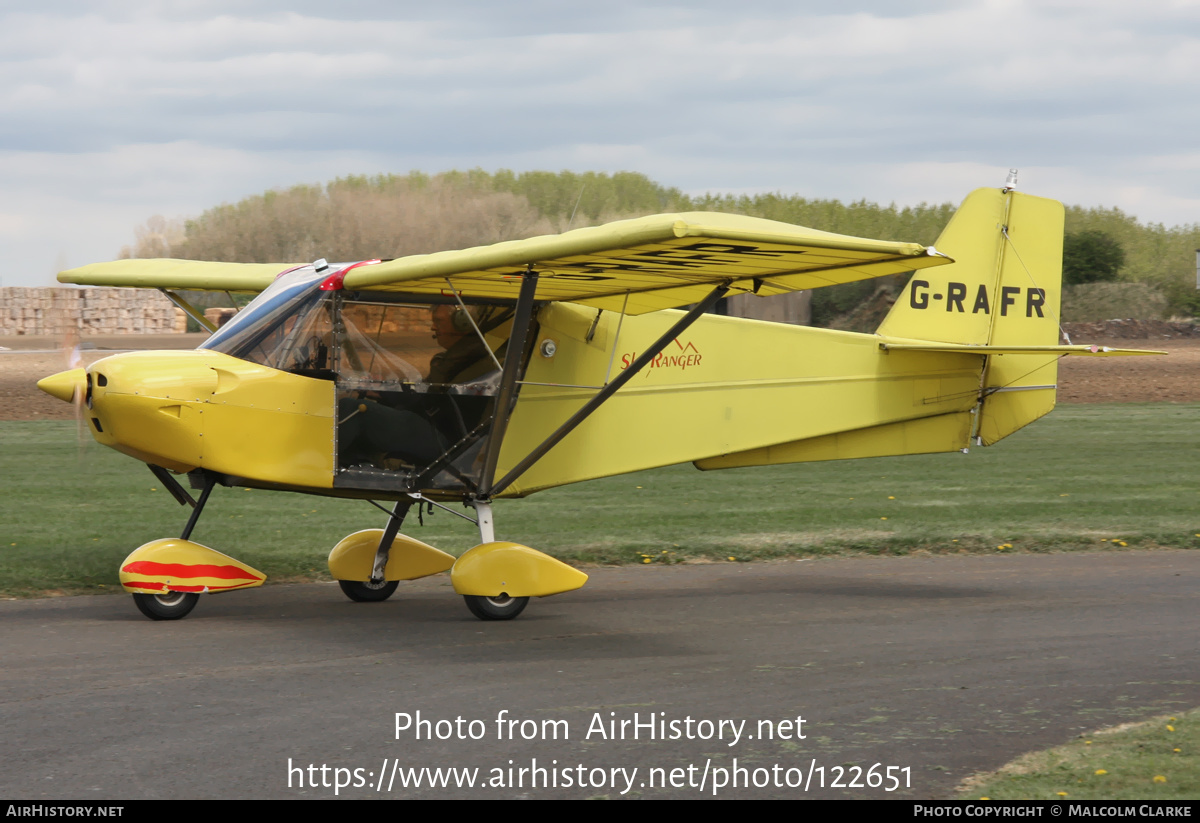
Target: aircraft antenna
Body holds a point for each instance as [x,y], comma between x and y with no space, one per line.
[578,200]
[617,339]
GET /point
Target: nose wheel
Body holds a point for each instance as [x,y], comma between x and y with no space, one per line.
[167,606]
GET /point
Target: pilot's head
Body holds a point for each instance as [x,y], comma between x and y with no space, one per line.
[450,324]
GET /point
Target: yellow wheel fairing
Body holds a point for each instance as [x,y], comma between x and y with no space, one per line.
[493,569]
[408,559]
[173,564]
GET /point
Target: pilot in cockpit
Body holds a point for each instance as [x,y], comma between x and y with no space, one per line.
[465,357]
[370,426]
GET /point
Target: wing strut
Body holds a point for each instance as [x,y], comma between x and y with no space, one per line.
[608,391]
[190,310]
[508,379]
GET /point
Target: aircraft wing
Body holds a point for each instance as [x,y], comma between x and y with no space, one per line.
[193,275]
[635,266]
[652,263]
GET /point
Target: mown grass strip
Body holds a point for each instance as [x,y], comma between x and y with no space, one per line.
[1158,759]
[1086,477]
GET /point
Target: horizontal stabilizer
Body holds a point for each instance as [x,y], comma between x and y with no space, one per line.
[1089,351]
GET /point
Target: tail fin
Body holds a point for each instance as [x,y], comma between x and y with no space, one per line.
[1002,290]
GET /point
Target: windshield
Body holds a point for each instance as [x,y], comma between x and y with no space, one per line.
[262,332]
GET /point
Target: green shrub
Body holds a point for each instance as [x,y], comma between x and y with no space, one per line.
[1089,302]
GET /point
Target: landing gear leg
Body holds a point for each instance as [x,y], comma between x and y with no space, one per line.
[501,607]
[198,507]
[483,512]
[172,605]
[378,588]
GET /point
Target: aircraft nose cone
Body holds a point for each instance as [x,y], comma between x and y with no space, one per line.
[65,385]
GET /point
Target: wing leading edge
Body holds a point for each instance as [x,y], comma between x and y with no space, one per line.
[193,275]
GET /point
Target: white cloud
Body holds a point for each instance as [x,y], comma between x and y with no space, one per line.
[127,110]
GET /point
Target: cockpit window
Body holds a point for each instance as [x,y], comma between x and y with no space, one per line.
[416,388]
[383,345]
[393,345]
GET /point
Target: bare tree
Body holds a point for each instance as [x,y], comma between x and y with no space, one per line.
[157,237]
[350,219]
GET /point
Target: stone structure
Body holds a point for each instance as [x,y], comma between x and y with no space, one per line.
[793,307]
[57,311]
[219,316]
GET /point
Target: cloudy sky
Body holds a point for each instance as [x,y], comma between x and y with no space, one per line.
[111,112]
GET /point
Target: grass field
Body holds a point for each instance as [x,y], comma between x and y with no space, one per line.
[1085,477]
[1158,759]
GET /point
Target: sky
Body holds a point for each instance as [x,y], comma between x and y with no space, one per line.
[112,112]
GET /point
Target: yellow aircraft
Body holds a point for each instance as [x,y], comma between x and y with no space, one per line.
[559,359]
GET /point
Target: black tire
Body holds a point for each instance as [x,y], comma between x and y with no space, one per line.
[495,608]
[361,592]
[168,606]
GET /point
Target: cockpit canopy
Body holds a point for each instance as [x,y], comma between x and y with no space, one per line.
[371,340]
[415,375]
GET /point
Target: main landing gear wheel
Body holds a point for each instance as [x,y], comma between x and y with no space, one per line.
[168,606]
[368,592]
[495,608]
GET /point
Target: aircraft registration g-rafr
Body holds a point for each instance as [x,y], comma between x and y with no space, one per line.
[554,357]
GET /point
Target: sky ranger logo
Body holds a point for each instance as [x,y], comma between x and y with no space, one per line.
[687,355]
[957,299]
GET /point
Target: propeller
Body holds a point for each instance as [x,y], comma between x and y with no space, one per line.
[73,354]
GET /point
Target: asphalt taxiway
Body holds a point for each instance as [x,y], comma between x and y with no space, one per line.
[936,666]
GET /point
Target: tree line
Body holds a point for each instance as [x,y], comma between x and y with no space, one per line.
[390,215]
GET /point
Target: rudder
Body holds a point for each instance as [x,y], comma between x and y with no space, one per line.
[1004,288]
